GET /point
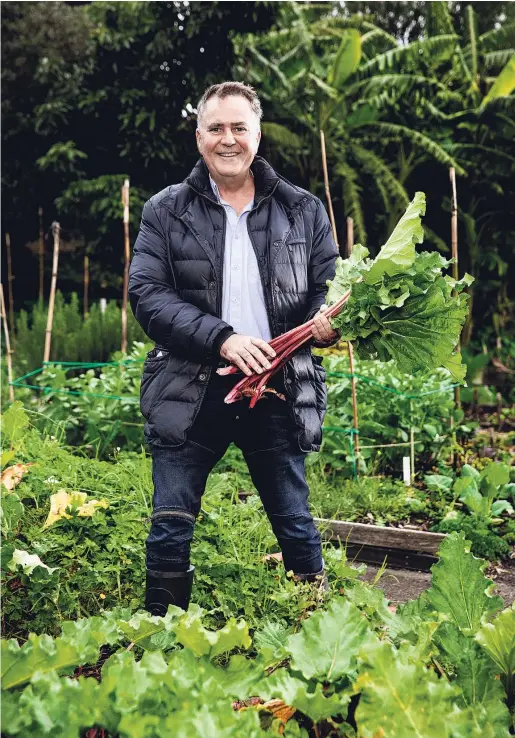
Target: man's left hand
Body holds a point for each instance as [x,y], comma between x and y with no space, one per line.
[322,330]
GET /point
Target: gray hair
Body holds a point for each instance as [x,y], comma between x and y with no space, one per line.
[225,89]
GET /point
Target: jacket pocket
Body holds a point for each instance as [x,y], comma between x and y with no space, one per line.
[152,379]
[320,387]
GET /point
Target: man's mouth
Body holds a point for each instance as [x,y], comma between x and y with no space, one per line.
[228,156]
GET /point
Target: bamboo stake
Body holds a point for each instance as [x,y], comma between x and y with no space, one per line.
[327,191]
[350,236]
[7,344]
[412,443]
[41,254]
[56,229]
[350,244]
[454,253]
[10,283]
[125,203]
[86,285]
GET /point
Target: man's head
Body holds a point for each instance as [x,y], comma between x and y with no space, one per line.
[228,130]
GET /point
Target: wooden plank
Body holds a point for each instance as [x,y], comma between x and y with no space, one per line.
[406,539]
[395,558]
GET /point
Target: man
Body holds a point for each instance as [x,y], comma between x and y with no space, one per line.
[228,259]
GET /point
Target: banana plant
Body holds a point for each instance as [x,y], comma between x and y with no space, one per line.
[349,78]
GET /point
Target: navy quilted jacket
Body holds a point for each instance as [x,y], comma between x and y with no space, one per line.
[175,291]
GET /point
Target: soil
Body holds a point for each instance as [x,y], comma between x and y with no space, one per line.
[401,585]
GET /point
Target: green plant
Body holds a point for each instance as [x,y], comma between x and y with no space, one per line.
[352,665]
[484,495]
[73,337]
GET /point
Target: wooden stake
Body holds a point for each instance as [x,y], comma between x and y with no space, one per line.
[86,285]
[7,344]
[454,253]
[56,229]
[41,254]
[10,283]
[327,191]
[125,203]
[350,244]
[412,443]
[350,236]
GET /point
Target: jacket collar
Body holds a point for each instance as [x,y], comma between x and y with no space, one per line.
[265,179]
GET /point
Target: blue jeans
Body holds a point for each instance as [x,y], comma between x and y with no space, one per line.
[267,437]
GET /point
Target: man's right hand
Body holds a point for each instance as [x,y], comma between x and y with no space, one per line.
[247,353]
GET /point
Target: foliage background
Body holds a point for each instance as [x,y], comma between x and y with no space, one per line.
[94,92]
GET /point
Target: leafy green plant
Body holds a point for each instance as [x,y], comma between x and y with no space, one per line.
[484,495]
[351,652]
[73,337]
[99,407]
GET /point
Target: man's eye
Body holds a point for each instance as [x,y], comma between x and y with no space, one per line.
[241,128]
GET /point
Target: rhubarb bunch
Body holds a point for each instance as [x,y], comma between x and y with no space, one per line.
[397,306]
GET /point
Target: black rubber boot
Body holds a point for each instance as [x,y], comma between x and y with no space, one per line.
[168,588]
[319,579]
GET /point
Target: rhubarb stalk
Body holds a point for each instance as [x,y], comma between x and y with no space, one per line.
[285,345]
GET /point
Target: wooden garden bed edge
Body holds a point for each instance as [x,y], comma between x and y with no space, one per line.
[376,535]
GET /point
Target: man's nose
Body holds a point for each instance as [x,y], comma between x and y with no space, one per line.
[228,138]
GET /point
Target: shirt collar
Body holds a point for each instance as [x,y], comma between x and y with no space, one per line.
[216,191]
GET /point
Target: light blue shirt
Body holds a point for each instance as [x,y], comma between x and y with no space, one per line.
[243,300]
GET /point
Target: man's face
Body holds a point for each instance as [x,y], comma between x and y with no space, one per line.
[229,135]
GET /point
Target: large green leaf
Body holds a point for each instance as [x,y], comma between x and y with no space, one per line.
[504,84]
[203,642]
[347,58]
[43,654]
[308,699]
[459,589]
[282,136]
[498,639]
[398,253]
[150,632]
[401,699]
[14,422]
[327,644]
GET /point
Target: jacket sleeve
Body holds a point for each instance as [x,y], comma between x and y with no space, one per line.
[322,264]
[167,319]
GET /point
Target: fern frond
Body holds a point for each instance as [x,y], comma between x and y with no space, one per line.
[438,19]
[269,66]
[498,58]
[408,57]
[497,38]
[395,132]
[282,136]
[390,187]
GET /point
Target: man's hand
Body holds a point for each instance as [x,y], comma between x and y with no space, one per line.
[322,330]
[247,353]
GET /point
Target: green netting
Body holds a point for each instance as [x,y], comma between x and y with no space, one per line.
[351,432]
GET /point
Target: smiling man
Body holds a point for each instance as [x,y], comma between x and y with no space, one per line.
[224,262]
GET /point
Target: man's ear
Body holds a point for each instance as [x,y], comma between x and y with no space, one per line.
[199,139]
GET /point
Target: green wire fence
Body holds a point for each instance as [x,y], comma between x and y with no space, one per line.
[351,432]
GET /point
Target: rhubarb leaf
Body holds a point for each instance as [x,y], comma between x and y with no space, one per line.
[459,589]
[401,306]
[402,699]
[327,644]
[309,699]
[398,253]
[498,640]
